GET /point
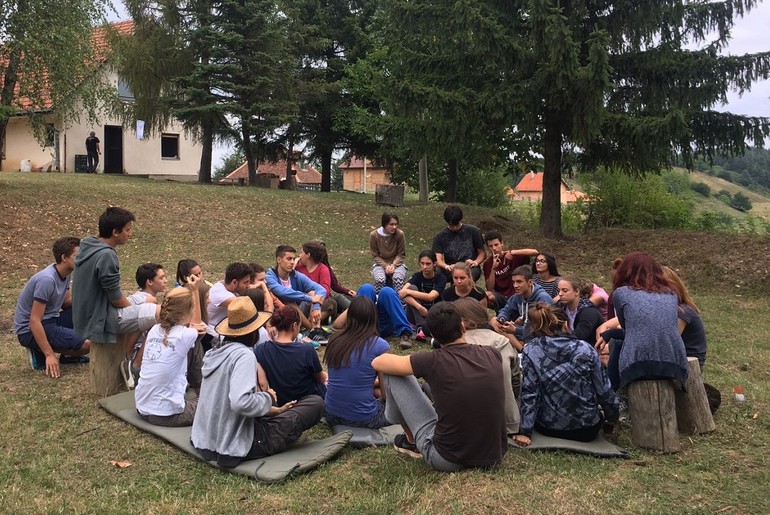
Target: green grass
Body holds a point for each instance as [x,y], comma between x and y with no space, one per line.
[57,443]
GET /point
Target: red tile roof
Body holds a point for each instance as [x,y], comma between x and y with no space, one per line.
[307,175]
[531,182]
[100,40]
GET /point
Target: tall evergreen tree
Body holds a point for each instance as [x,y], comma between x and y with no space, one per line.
[618,80]
[161,63]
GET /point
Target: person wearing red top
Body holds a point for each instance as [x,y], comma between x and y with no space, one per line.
[311,264]
[498,269]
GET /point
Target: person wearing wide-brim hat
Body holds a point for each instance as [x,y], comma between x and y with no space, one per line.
[235,420]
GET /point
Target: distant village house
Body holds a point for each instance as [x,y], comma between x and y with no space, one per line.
[530,188]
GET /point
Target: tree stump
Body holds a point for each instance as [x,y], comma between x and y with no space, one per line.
[652,408]
[693,414]
[389,195]
[105,368]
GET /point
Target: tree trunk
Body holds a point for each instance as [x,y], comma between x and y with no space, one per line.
[652,408]
[550,210]
[451,180]
[248,152]
[105,368]
[207,142]
[7,94]
[326,169]
[693,415]
[423,167]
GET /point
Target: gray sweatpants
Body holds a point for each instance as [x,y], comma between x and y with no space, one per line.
[406,404]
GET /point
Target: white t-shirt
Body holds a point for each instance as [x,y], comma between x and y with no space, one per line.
[138,297]
[217,295]
[163,378]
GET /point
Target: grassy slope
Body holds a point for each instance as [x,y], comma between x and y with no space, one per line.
[760,203]
[58,444]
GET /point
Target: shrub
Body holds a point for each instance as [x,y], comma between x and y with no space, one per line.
[741,202]
[676,183]
[619,200]
[702,188]
[482,187]
[725,196]
[714,221]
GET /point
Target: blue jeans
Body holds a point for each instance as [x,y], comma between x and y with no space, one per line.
[390,312]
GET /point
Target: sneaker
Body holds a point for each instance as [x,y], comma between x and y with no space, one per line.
[404,446]
[420,336]
[36,359]
[406,341]
[74,360]
[319,336]
[125,371]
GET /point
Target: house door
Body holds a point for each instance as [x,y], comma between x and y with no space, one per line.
[113,149]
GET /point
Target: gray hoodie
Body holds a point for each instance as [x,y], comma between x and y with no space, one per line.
[95,283]
[223,428]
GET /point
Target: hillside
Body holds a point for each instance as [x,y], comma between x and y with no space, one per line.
[761,203]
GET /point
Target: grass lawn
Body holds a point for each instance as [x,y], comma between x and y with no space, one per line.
[57,443]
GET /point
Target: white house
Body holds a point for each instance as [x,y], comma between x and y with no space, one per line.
[171,154]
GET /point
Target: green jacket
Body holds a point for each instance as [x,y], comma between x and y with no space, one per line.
[95,283]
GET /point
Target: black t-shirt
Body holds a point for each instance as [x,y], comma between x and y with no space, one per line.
[458,246]
[425,285]
[91,143]
[450,294]
[467,386]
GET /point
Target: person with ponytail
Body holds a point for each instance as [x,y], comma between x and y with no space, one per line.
[353,396]
[564,382]
[293,369]
[168,348]
[690,323]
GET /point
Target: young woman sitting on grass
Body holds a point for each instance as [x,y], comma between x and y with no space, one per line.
[584,316]
[353,396]
[293,369]
[170,350]
[546,274]
[462,286]
[564,382]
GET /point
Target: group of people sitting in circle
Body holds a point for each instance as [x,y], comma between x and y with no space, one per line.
[550,359]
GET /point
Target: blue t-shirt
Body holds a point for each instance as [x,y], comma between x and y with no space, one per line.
[290,368]
[350,394]
[45,286]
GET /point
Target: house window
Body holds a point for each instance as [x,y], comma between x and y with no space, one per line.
[50,135]
[124,91]
[169,146]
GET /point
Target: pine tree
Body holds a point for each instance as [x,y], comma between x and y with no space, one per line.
[617,79]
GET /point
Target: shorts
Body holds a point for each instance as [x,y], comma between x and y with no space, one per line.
[61,339]
[137,318]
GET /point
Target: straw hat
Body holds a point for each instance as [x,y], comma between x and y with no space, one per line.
[242,318]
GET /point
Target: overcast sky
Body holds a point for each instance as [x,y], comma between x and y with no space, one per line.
[749,35]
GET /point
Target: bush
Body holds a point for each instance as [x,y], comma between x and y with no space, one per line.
[741,202]
[622,201]
[702,188]
[725,196]
[676,183]
[714,221]
[484,187]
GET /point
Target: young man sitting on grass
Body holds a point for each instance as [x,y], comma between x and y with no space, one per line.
[465,424]
[512,321]
[235,419]
[40,325]
[292,287]
[237,281]
[152,281]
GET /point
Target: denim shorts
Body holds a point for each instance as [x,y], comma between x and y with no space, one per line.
[60,338]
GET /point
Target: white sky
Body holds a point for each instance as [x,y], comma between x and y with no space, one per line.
[749,35]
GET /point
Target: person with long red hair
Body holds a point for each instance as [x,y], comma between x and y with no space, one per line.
[646,308]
